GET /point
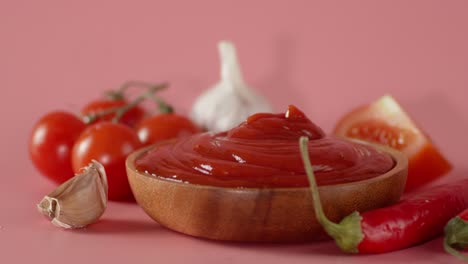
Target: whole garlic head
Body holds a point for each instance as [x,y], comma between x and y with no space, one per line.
[230,101]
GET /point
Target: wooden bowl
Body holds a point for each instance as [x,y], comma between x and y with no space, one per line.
[259,214]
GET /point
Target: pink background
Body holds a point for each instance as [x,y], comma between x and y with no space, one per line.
[324,56]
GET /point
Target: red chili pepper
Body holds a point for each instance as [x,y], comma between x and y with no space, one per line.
[456,235]
[409,222]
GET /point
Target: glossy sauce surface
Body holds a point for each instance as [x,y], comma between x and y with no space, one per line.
[264,152]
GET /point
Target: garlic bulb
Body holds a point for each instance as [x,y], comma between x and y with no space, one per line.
[79,201]
[230,101]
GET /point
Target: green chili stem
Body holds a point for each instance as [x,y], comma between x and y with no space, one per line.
[348,233]
[449,249]
[321,217]
[456,237]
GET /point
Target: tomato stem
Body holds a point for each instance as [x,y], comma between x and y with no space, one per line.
[121,110]
[163,106]
[150,93]
[114,95]
[347,233]
[119,94]
[136,83]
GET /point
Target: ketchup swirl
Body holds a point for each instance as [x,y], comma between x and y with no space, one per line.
[264,152]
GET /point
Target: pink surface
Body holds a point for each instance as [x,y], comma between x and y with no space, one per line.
[324,56]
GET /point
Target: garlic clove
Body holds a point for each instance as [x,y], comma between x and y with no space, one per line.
[79,201]
[231,100]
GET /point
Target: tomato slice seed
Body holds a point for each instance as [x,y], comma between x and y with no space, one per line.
[380,132]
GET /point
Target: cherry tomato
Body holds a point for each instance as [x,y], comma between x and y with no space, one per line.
[130,118]
[385,122]
[51,142]
[165,126]
[108,143]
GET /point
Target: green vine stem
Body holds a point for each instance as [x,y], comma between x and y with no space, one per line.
[119,94]
[163,106]
[120,111]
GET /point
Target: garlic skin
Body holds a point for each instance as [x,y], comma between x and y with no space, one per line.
[230,101]
[80,201]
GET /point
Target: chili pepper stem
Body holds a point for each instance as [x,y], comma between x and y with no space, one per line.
[456,237]
[347,233]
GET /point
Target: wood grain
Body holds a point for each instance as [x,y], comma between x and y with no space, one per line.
[260,215]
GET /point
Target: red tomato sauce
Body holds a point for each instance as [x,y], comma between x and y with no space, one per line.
[264,152]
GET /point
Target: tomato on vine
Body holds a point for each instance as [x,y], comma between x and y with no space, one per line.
[165,126]
[109,143]
[62,143]
[51,142]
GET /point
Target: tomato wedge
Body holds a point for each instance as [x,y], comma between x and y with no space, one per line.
[385,122]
